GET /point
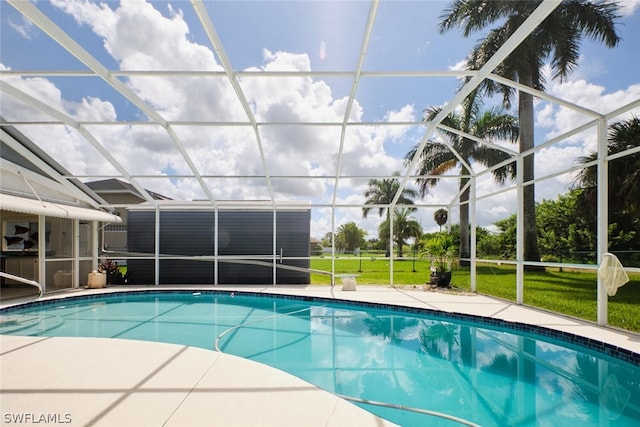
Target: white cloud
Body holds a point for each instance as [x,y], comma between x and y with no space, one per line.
[61,143]
[424,48]
[91,109]
[587,95]
[25,27]
[628,7]
[288,150]
[459,66]
[139,37]
[557,120]
[405,114]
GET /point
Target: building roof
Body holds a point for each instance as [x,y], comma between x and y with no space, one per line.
[35,183]
[113,185]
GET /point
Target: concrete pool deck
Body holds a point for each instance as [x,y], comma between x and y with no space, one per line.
[107,382]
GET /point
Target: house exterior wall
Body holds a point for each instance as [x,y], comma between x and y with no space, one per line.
[242,234]
[115,235]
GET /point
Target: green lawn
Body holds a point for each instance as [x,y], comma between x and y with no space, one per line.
[374,270]
[569,292]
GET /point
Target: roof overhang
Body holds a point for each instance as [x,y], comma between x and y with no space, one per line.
[56,210]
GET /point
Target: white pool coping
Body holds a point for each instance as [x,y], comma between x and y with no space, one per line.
[112,382]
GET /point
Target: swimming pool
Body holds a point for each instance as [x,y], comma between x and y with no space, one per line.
[485,371]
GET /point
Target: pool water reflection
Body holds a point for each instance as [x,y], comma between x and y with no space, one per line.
[475,371]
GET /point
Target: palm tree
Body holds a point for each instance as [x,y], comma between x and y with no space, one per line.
[349,236]
[382,192]
[624,179]
[557,37]
[431,336]
[389,326]
[440,217]
[404,227]
[437,158]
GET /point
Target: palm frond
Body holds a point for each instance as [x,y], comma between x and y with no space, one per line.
[596,19]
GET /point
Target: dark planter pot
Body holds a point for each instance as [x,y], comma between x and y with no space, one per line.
[115,278]
[441,279]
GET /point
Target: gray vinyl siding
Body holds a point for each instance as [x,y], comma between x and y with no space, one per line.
[141,242]
[186,233]
[293,236]
[245,233]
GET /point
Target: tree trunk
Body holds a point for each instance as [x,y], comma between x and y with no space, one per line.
[525,111]
[465,251]
[387,252]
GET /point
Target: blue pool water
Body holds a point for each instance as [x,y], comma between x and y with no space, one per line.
[478,370]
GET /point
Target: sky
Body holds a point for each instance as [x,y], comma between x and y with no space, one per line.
[259,36]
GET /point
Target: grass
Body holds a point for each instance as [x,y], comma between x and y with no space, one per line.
[372,270]
[572,292]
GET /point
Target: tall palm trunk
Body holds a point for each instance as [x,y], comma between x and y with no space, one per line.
[387,252]
[525,111]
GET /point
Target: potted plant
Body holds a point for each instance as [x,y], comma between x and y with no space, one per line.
[442,251]
[111,269]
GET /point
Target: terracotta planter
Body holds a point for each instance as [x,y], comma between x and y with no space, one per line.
[96,280]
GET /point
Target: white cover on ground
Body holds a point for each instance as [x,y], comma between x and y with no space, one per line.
[612,274]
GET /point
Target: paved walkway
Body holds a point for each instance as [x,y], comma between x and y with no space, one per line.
[121,383]
[107,382]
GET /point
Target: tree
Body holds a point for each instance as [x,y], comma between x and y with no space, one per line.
[440,217]
[326,240]
[557,37]
[566,229]
[507,236]
[404,227]
[389,326]
[489,246]
[623,189]
[438,157]
[562,229]
[382,192]
[431,336]
[349,237]
[376,244]
[484,240]
[624,178]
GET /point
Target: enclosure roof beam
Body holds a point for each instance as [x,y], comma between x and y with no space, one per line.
[218,47]
[354,87]
[63,39]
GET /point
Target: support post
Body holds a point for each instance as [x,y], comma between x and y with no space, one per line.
[275,248]
[215,245]
[42,253]
[156,252]
[390,246]
[95,245]
[473,252]
[333,246]
[520,233]
[603,215]
[75,278]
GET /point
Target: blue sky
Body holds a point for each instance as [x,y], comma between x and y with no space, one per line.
[275,35]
